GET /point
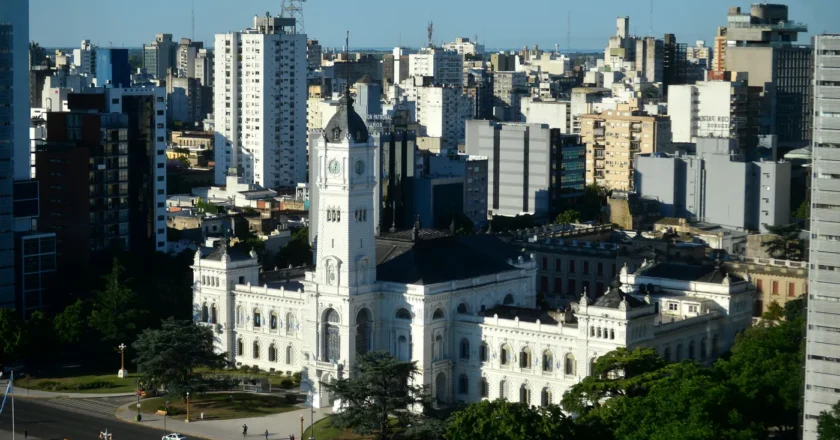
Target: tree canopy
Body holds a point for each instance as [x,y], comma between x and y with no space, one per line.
[828,425]
[567,216]
[115,311]
[12,335]
[503,420]
[380,389]
[786,244]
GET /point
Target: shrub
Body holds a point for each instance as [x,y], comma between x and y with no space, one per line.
[291,398]
[297,377]
[287,384]
[172,411]
[49,385]
[95,385]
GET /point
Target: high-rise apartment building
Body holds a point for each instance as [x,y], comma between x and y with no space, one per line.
[445,66]
[204,67]
[112,68]
[84,58]
[823,331]
[442,111]
[464,46]
[260,93]
[508,90]
[503,62]
[14,130]
[160,55]
[186,54]
[761,43]
[313,54]
[614,137]
[674,62]
[650,54]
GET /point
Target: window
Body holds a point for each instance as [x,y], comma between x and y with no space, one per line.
[586,268]
[256,350]
[558,265]
[482,351]
[558,284]
[524,394]
[403,314]
[667,354]
[289,357]
[272,353]
[438,314]
[692,308]
[465,349]
[525,358]
[673,307]
[484,388]
[759,286]
[600,272]
[703,343]
[571,290]
[331,336]
[791,290]
[240,348]
[545,397]
[679,352]
[570,365]
[257,322]
[504,355]
[462,309]
[547,361]
[463,384]
[571,266]
[543,284]
[502,386]
[775,287]
[691,350]
[272,320]
[545,263]
[508,299]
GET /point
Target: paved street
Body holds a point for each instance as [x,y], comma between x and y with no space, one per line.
[78,420]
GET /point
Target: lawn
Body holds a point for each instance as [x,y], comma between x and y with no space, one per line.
[275,379]
[93,384]
[324,431]
[221,406]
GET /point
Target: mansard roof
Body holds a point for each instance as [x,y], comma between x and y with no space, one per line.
[435,258]
[703,273]
[236,253]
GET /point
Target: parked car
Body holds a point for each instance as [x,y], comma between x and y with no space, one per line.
[174,436]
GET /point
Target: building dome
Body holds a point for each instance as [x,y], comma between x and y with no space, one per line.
[346,124]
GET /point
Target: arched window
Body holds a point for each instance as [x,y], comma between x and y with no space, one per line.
[465,349]
[545,397]
[525,358]
[438,314]
[240,316]
[547,361]
[612,333]
[703,343]
[205,313]
[272,320]
[483,352]
[240,348]
[462,309]
[214,314]
[679,352]
[256,350]
[438,349]
[403,314]
[402,349]
[667,354]
[289,355]
[291,323]
[484,388]
[591,331]
[592,367]
[508,299]
[524,394]
[691,350]
[364,331]
[570,365]
[463,384]
[599,332]
[257,322]
[504,355]
[272,353]
[714,348]
[331,336]
[502,386]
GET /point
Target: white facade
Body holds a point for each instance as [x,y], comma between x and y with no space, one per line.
[442,113]
[260,104]
[84,59]
[701,110]
[204,67]
[556,114]
[445,66]
[464,46]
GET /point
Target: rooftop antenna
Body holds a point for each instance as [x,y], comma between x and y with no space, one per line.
[650,31]
[347,67]
[569,32]
[294,9]
[431,30]
[192,35]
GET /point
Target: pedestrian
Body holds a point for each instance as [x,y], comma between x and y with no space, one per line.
[244,430]
[266,434]
[25,434]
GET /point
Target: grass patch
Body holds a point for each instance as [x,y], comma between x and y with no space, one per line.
[93,384]
[325,431]
[221,406]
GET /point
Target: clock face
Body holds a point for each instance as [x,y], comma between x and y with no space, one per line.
[334,167]
[360,167]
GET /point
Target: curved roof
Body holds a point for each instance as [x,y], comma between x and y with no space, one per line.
[612,299]
[346,124]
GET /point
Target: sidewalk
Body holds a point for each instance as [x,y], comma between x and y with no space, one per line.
[36,394]
[279,426]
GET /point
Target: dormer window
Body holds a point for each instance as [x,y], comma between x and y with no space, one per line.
[336,134]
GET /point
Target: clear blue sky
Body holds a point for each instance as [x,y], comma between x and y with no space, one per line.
[385,23]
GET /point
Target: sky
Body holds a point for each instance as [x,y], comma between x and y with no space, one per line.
[387,23]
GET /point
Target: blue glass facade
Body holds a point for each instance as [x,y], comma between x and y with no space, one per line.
[112,67]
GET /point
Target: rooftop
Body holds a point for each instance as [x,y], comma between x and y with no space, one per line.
[715,274]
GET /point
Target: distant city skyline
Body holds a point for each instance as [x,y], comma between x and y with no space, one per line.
[381,24]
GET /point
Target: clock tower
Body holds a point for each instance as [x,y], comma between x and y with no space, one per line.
[346,181]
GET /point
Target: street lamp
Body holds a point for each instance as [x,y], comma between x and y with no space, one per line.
[138,412]
[122,373]
[188,407]
[165,413]
[138,399]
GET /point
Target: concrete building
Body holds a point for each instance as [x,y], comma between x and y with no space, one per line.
[614,138]
[723,109]
[531,168]
[395,66]
[442,112]
[508,90]
[187,100]
[716,185]
[464,46]
[472,171]
[823,346]
[204,67]
[397,162]
[160,55]
[502,62]
[674,63]
[187,52]
[444,66]
[761,43]
[554,113]
[587,100]
[112,67]
[313,54]
[775,281]
[650,57]
[368,98]
[84,59]
[261,127]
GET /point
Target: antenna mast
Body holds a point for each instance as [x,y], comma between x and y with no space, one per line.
[192,35]
[294,9]
[569,32]
[650,31]
[431,30]
[347,65]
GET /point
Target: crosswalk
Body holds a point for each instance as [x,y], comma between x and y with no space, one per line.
[103,406]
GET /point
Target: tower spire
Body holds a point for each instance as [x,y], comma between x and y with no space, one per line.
[347,66]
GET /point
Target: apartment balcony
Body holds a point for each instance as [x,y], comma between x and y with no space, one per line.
[599,164]
[635,147]
[636,127]
[598,132]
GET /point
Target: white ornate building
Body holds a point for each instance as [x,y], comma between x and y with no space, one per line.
[463,308]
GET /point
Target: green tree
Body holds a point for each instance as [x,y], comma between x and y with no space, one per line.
[115,314]
[803,211]
[567,216]
[297,252]
[205,207]
[69,324]
[40,329]
[168,357]
[620,372]
[828,425]
[12,336]
[786,244]
[503,420]
[766,367]
[379,390]
[689,403]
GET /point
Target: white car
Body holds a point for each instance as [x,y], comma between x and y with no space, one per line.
[174,436]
